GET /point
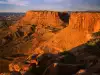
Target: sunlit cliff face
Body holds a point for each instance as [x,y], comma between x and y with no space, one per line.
[97,26]
[44,18]
[78,32]
[35,27]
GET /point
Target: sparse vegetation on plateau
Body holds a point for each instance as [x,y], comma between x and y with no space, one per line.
[93,42]
[96,34]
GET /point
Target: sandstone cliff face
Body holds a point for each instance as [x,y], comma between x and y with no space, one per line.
[85,21]
[44,18]
[81,25]
[35,27]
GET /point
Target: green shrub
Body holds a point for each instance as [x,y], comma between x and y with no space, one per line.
[96,34]
[93,42]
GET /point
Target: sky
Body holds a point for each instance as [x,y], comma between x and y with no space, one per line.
[56,5]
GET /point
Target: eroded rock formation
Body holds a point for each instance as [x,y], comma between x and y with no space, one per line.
[81,25]
[35,27]
[44,18]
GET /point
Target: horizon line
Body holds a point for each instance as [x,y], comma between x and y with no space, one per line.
[51,10]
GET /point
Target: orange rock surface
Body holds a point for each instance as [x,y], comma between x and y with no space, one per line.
[78,32]
[44,18]
[45,21]
[81,25]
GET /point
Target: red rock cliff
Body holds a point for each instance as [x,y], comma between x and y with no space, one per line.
[81,25]
[85,21]
[24,33]
[44,18]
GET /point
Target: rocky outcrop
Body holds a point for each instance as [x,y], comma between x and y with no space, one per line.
[85,21]
[35,27]
[81,25]
[44,18]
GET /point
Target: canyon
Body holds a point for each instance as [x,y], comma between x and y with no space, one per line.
[40,32]
[35,27]
[54,31]
[78,32]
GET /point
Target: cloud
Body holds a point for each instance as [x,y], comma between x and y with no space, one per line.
[53,1]
[16,2]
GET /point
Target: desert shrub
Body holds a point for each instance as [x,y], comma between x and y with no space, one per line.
[96,34]
[93,42]
[68,58]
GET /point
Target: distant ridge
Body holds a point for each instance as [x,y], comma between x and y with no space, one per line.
[10,13]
